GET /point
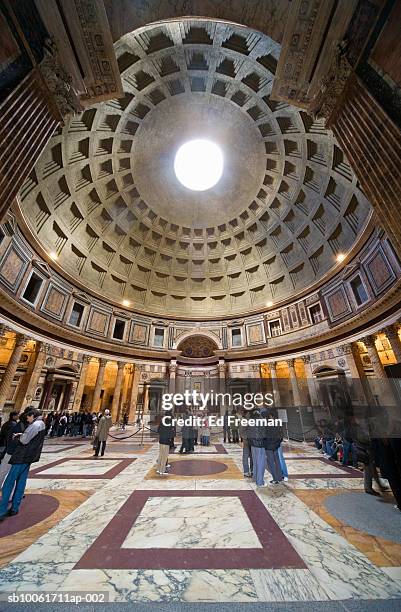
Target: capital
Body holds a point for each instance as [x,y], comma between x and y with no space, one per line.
[369,341]
[20,339]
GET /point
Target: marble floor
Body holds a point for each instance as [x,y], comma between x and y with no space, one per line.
[202,534]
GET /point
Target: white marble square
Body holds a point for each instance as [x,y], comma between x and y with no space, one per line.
[311,466]
[97,467]
[192,522]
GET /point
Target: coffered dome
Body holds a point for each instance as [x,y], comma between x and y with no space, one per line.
[104,196]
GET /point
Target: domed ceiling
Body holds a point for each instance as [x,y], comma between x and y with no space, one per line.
[105,198]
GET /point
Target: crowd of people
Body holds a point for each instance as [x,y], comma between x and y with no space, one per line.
[261,444]
[379,458]
[60,424]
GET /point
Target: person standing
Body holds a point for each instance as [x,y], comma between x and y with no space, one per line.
[27,451]
[186,430]
[226,427]
[272,444]
[247,462]
[205,431]
[283,464]
[102,432]
[165,431]
[9,428]
[5,428]
[125,420]
[257,441]
[234,428]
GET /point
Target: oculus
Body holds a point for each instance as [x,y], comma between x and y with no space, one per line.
[198,165]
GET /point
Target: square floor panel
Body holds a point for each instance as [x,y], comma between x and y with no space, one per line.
[304,467]
[213,546]
[192,522]
[82,467]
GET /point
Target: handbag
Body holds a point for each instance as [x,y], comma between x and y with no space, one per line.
[95,443]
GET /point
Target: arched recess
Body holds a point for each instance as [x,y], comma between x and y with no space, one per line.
[324,371]
[268,17]
[196,332]
[197,346]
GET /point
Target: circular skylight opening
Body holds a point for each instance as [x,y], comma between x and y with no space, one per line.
[198,164]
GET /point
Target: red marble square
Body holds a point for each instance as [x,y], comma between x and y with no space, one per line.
[107,552]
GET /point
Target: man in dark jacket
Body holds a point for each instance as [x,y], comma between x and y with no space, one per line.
[28,450]
[165,431]
[9,428]
[257,435]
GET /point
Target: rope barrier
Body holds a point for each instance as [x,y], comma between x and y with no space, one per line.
[125,437]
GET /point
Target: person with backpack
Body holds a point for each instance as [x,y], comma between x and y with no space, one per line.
[28,450]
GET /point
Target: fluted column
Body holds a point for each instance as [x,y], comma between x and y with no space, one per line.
[275,387]
[11,368]
[98,385]
[294,382]
[380,384]
[172,375]
[394,339]
[133,398]
[81,383]
[313,397]
[357,372]
[378,368]
[146,386]
[117,390]
[27,387]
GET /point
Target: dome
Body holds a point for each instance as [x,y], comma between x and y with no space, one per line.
[106,202]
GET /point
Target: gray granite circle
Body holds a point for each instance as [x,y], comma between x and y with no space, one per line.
[366,513]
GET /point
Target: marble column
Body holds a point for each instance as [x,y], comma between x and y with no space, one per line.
[275,387]
[67,396]
[146,386]
[380,383]
[9,372]
[294,382]
[313,396]
[378,368]
[124,404]
[172,375]
[359,378]
[133,397]
[222,381]
[117,391]
[81,383]
[27,387]
[394,339]
[98,385]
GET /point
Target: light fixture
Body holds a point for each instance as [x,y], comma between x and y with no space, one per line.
[126,303]
[269,304]
[53,255]
[198,164]
[340,257]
